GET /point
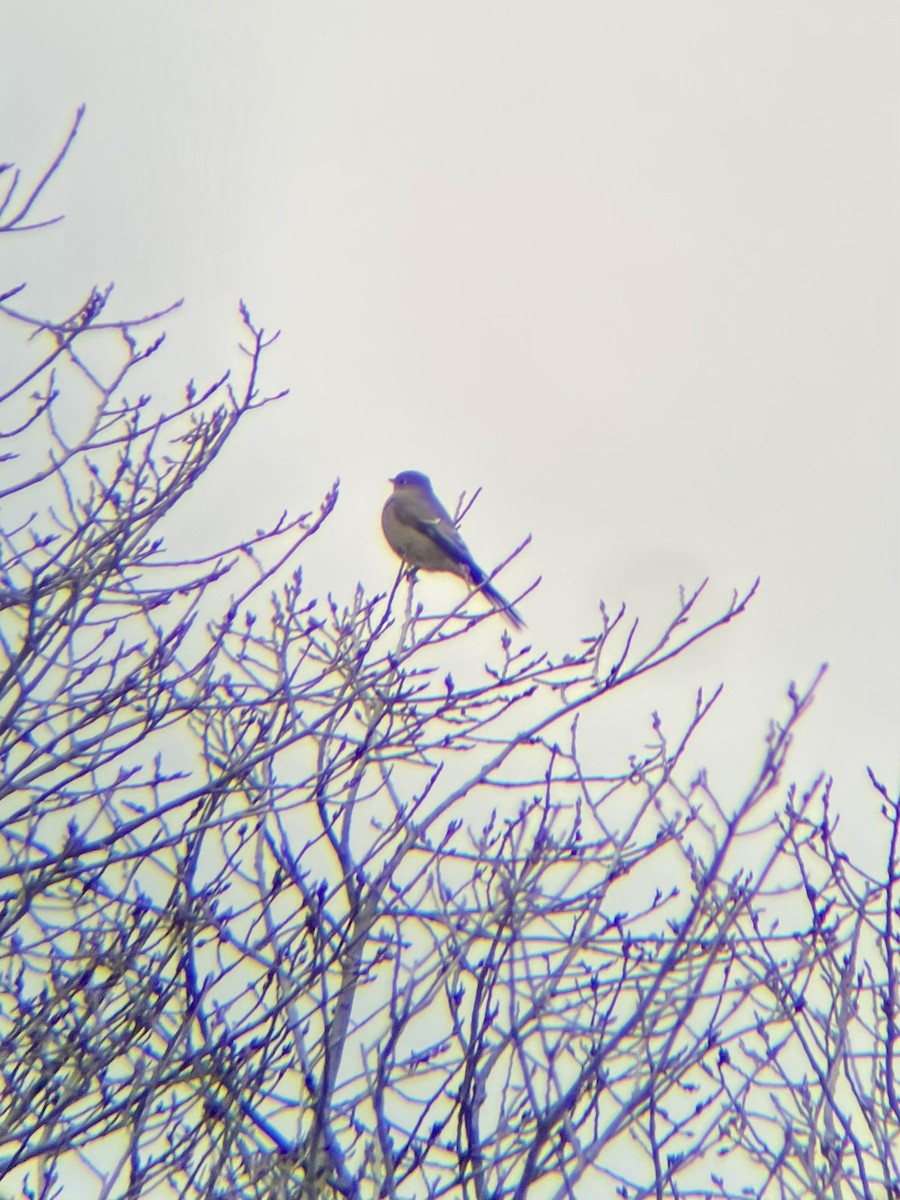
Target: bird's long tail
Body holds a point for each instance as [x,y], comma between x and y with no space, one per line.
[500,603]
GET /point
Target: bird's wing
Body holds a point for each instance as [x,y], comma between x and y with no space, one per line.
[430,518]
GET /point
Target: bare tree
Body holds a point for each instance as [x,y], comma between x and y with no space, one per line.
[298,902]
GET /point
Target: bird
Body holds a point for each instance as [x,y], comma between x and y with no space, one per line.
[420,530]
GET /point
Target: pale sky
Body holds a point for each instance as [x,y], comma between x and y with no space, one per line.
[631,268]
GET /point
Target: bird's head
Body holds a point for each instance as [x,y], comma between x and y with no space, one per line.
[411,479]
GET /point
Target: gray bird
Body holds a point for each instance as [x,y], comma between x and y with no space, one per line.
[421,531]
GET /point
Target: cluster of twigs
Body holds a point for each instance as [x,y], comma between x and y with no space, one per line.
[299,901]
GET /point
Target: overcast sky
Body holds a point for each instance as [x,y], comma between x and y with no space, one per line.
[631,268]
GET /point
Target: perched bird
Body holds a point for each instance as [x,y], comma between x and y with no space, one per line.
[422,532]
